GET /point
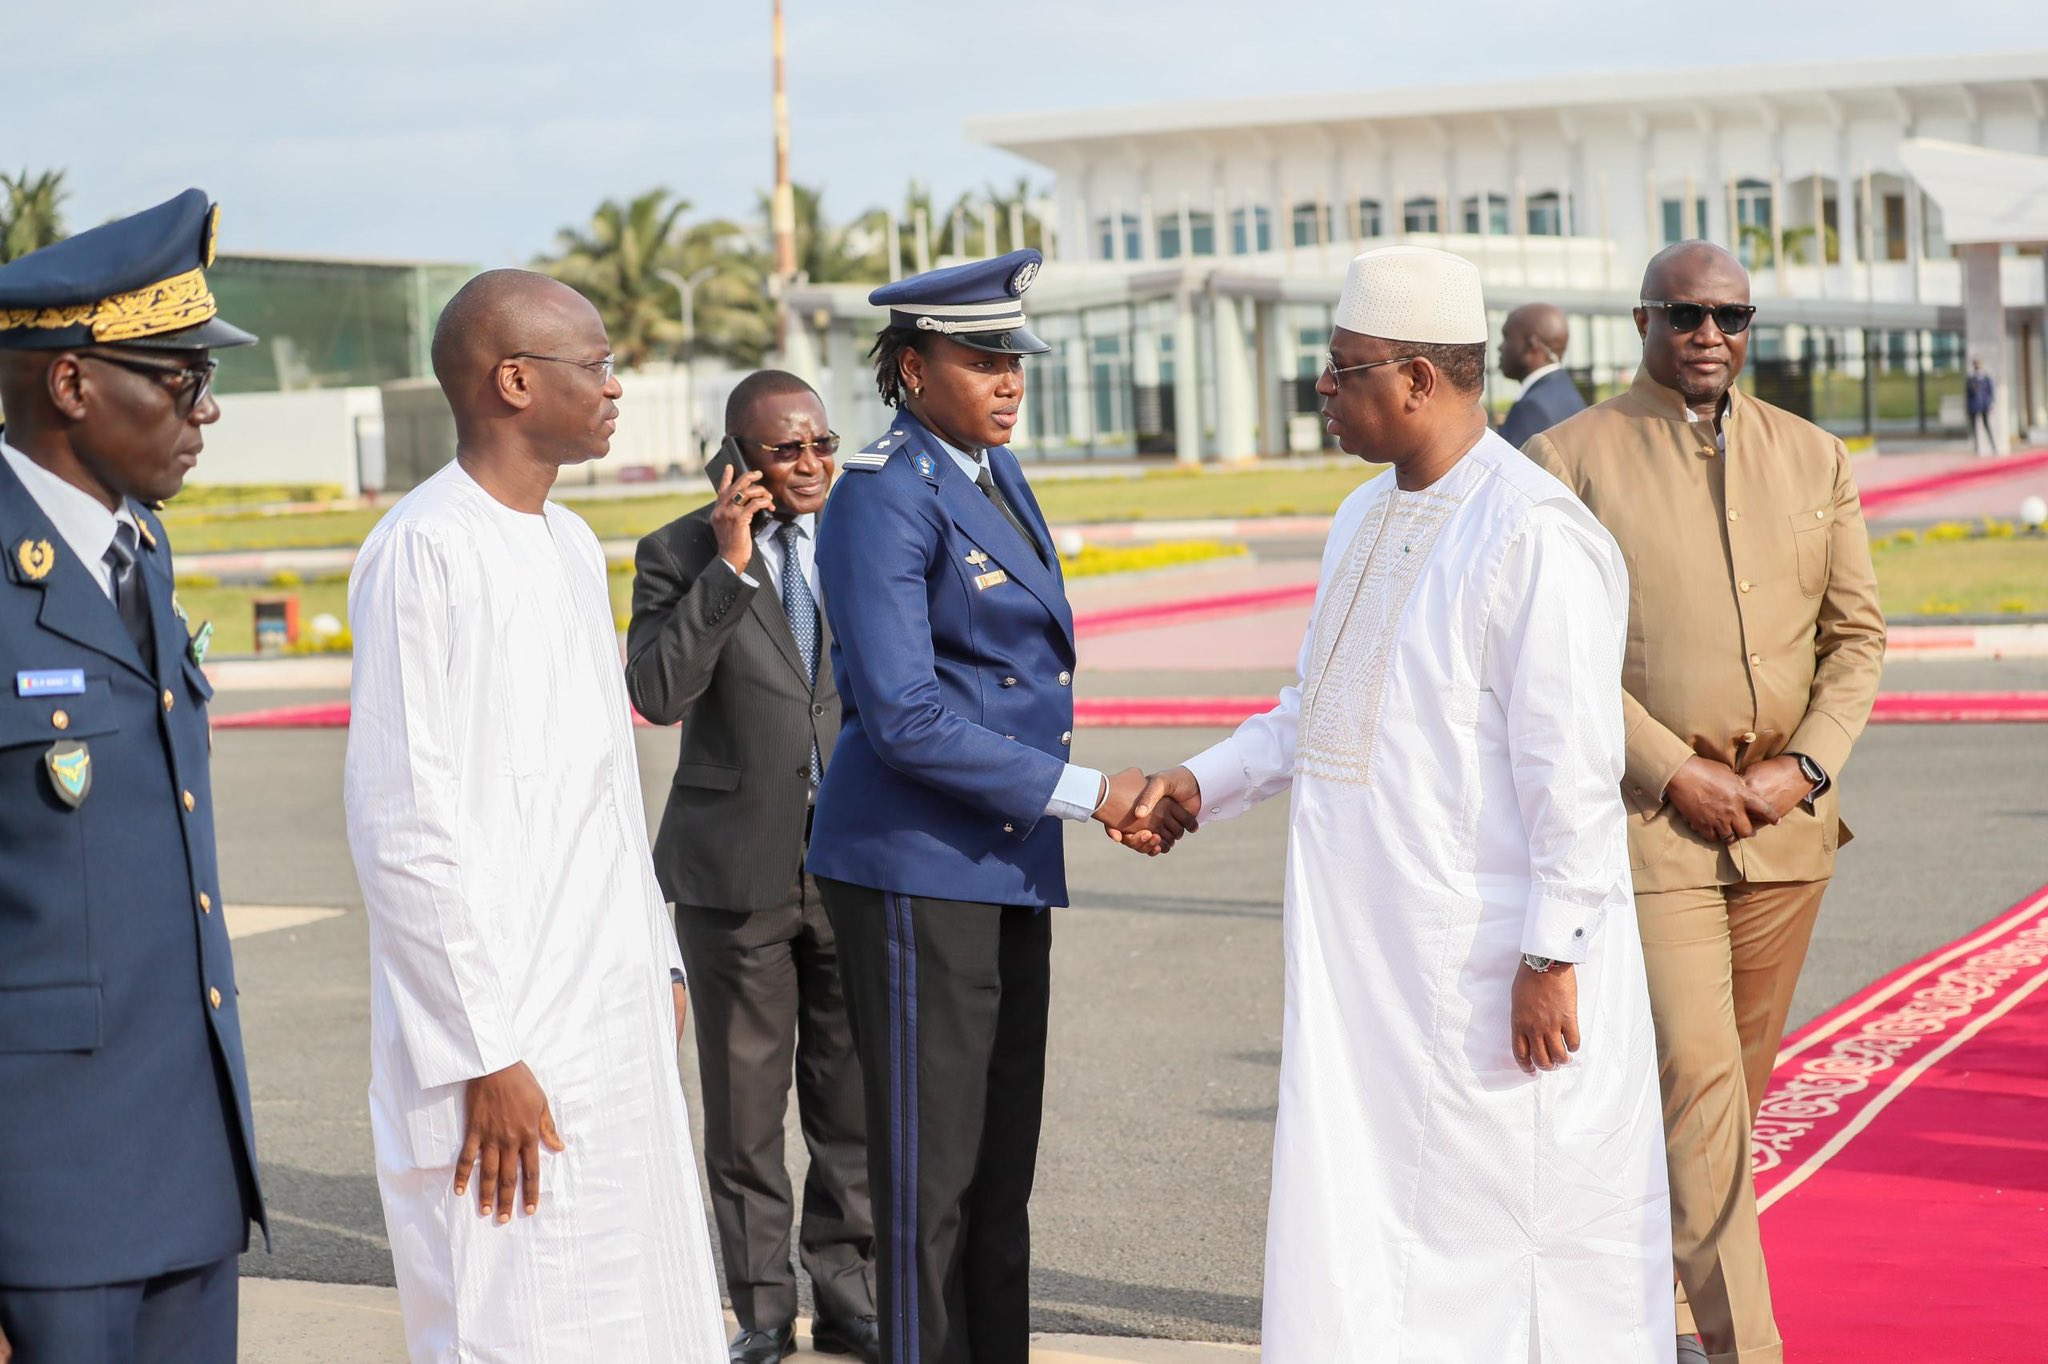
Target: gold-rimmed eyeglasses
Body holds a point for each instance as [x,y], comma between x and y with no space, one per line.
[1331,369]
[790,451]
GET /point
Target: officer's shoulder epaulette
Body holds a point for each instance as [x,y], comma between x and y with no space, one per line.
[877,454]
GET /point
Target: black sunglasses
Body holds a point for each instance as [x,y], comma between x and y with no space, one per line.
[790,451]
[188,385]
[1732,318]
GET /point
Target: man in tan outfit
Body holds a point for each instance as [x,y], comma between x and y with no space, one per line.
[1754,647]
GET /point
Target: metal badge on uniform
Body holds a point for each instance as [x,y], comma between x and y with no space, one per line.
[991,579]
[70,764]
[202,639]
[50,682]
[36,558]
[977,559]
[924,463]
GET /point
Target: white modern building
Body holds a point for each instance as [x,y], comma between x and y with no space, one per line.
[1195,248]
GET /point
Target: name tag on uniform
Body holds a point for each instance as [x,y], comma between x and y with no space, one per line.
[50,682]
[987,580]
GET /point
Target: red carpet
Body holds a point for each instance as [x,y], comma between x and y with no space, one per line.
[1902,1161]
[1889,497]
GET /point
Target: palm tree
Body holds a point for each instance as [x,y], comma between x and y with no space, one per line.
[617,263]
[31,212]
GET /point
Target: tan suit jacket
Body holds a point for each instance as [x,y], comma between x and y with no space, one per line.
[1754,627]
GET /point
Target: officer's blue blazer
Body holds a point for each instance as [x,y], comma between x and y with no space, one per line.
[125,1133]
[956,677]
[1542,405]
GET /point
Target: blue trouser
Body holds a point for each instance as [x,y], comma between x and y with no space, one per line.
[186,1317]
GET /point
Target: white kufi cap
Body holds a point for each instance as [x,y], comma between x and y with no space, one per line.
[1414,293]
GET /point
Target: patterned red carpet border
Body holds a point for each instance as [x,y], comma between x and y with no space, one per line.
[1901,1160]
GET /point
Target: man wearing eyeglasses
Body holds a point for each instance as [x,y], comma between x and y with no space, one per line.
[729,639]
[130,1177]
[1754,648]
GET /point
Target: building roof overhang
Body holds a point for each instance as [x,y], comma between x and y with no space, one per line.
[1985,196]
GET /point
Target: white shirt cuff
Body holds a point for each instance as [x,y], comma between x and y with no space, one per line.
[746,578]
[1079,791]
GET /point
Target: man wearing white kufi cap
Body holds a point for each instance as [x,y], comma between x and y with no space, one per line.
[1468,1164]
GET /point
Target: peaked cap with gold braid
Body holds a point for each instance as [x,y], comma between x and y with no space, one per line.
[137,281]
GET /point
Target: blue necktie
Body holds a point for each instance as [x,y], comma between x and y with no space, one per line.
[802,610]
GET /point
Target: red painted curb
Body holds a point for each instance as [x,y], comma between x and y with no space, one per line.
[1892,708]
[1117,619]
[1889,495]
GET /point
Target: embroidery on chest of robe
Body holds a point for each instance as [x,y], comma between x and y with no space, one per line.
[1351,662]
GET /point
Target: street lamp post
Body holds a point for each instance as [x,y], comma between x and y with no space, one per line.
[686,290]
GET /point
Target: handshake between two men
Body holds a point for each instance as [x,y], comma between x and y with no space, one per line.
[1150,814]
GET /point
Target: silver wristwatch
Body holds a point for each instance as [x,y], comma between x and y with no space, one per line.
[1539,965]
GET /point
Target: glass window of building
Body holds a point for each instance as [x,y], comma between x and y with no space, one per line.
[1251,230]
[1169,237]
[1496,215]
[1676,228]
[1549,214]
[1753,220]
[1201,233]
[1369,224]
[1106,238]
[1311,226]
[1418,215]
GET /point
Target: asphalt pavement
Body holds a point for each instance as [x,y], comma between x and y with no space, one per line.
[1163,1064]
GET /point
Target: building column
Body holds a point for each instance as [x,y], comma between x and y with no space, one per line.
[1984,334]
[1236,407]
[1187,367]
[800,350]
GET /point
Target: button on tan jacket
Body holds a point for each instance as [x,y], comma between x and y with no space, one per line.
[1754,627]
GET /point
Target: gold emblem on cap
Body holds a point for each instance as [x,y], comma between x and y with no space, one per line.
[212,231]
[36,559]
[167,306]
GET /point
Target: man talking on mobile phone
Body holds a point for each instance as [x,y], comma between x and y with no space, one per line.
[729,639]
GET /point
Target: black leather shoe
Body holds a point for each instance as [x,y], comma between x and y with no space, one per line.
[857,1336]
[763,1347]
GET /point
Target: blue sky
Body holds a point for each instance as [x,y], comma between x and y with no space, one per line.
[432,129]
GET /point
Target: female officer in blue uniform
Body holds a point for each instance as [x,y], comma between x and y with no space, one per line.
[937,840]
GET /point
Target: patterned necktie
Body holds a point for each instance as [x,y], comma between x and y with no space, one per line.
[802,610]
[986,481]
[131,593]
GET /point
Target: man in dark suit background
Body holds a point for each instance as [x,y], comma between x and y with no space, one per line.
[729,638]
[1532,346]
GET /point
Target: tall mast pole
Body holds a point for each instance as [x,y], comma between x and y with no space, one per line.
[784,211]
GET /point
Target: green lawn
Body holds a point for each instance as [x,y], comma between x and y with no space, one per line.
[1981,577]
[1165,495]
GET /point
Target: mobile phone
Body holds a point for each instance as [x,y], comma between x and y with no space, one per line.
[729,457]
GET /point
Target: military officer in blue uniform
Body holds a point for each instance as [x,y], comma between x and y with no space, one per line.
[129,1177]
[937,839]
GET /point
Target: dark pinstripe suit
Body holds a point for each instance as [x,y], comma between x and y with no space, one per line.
[717,654]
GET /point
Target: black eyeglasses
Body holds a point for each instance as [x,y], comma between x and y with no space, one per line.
[188,385]
[1732,318]
[605,364]
[790,451]
[1332,369]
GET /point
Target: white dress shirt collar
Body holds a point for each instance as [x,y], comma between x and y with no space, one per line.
[970,464]
[1541,371]
[80,518]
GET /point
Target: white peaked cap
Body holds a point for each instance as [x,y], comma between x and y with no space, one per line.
[1414,293]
